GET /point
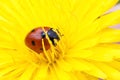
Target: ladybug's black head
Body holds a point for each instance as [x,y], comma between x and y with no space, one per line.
[53,35]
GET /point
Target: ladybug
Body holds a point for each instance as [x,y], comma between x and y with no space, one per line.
[34,38]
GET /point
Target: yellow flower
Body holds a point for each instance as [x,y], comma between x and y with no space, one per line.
[86,51]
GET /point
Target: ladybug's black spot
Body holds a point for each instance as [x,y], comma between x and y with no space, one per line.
[33,43]
[43,34]
[33,30]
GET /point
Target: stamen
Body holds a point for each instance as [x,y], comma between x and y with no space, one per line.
[52,53]
[55,51]
[45,53]
[60,47]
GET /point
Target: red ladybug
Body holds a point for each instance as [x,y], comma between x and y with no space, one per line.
[34,38]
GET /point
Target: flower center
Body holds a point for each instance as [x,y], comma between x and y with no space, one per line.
[46,42]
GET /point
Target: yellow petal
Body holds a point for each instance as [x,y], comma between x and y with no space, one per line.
[6,39]
[28,73]
[52,74]
[109,35]
[80,10]
[41,72]
[109,19]
[83,44]
[79,53]
[95,71]
[12,11]
[105,52]
[19,69]
[91,77]
[12,33]
[65,75]
[87,67]
[89,15]
[76,64]
[115,64]
[97,25]
[111,73]
[80,76]
[6,70]
[6,55]
[67,67]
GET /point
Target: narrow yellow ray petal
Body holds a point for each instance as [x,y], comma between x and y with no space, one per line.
[6,36]
[11,15]
[7,45]
[6,54]
[78,65]
[15,73]
[83,12]
[109,45]
[79,53]
[111,73]
[99,9]
[105,52]
[7,70]
[13,56]
[90,77]
[17,34]
[41,72]
[62,75]
[5,64]
[27,14]
[81,65]
[27,74]
[85,43]
[6,40]
[15,13]
[115,64]
[44,12]
[108,4]
[73,76]
[109,19]
[99,24]
[80,76]
[95,71]
[109,35]
[95,11]
[74,20]
[30,12]
[67,67]
[79,10]
[52,73]
[95,26]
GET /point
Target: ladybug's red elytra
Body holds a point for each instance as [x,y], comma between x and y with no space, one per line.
[34,38]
